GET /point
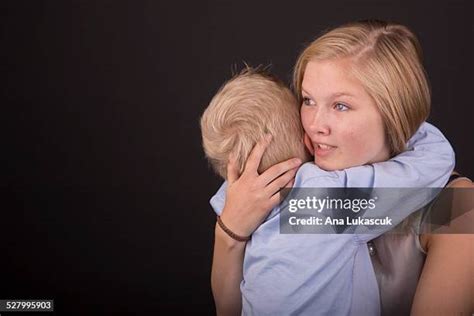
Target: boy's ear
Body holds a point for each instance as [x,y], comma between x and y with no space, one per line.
[308,144]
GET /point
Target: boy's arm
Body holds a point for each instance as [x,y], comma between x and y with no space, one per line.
[427,162]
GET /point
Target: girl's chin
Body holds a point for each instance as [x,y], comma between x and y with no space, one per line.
[330,165]
[324,165]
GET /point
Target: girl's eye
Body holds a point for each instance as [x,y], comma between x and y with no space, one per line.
[307,101]
[341,107]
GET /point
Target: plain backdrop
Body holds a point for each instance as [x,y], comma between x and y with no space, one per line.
[105,185]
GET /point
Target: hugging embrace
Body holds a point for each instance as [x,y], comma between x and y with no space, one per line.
[356,119]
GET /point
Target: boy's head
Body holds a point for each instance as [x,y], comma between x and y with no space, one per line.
[244,109]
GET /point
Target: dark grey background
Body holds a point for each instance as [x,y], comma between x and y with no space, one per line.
[105,185]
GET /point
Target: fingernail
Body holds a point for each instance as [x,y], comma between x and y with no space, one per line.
[268,138]
[297,161]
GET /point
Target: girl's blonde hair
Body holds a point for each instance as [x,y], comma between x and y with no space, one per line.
[387,60]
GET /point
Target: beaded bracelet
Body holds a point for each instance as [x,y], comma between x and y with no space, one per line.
[229,232]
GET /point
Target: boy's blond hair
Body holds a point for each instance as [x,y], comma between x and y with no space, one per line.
[386,59]
[244,109]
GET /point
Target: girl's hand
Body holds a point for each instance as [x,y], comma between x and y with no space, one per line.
[251,196]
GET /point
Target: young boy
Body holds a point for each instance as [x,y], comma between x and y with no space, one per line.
[303,274]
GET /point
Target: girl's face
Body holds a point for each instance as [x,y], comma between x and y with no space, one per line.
[342,123]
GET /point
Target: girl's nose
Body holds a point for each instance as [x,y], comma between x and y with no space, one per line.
[320,123]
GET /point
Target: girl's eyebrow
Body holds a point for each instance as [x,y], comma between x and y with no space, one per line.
[334,95]
[340,94]
[303,90]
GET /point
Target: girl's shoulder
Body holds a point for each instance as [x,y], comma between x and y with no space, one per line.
[459,222]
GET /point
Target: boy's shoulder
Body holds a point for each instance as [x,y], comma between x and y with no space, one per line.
[310,175]
[217,201]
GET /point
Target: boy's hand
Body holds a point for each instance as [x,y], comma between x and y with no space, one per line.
[251,196]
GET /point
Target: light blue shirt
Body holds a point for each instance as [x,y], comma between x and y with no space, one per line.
[313,274]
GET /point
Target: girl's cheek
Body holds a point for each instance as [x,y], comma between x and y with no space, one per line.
[354,144]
